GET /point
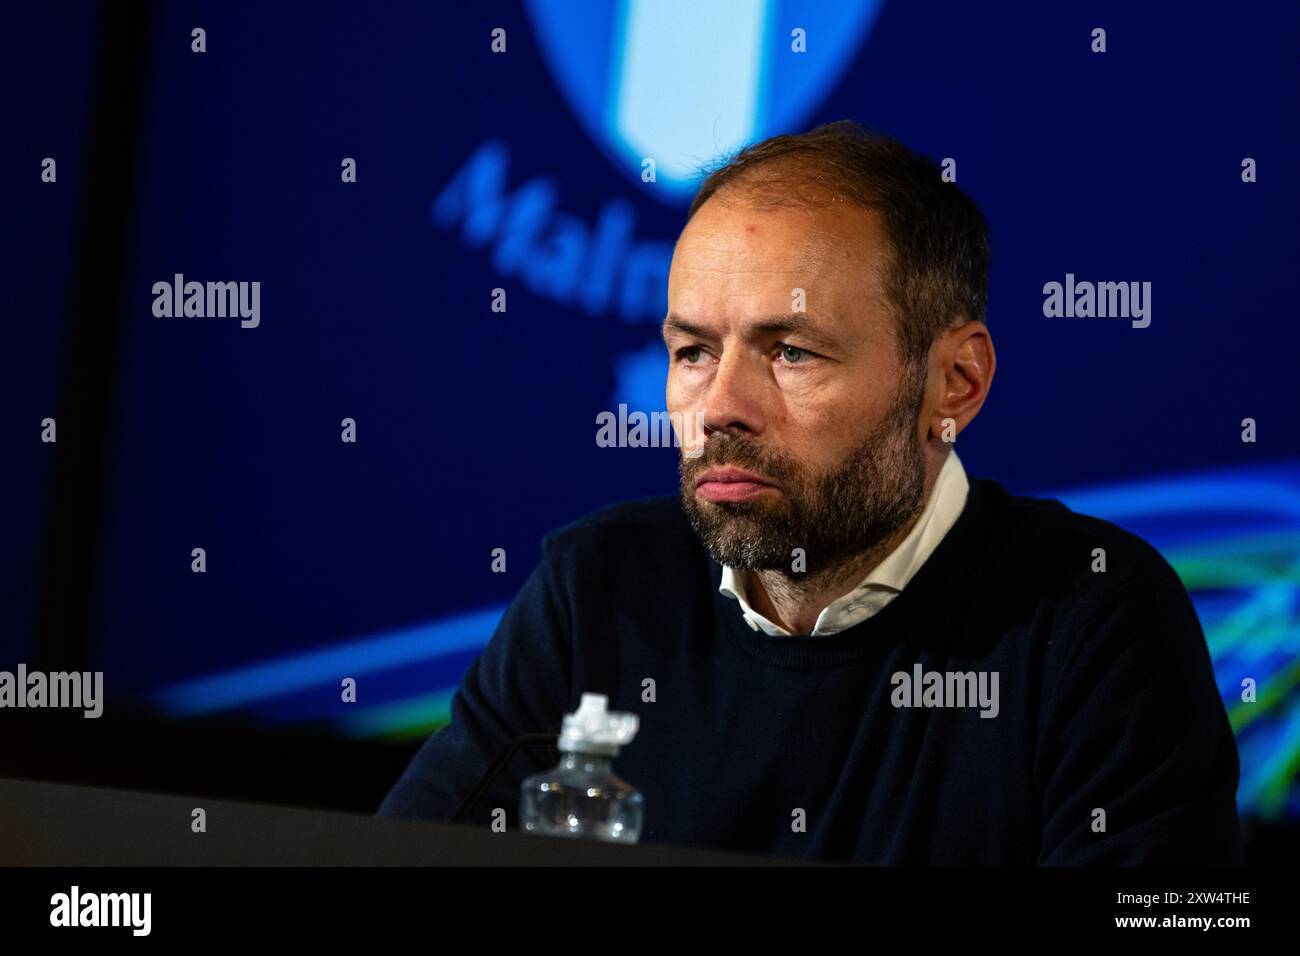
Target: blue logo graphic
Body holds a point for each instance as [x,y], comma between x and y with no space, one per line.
[684,82]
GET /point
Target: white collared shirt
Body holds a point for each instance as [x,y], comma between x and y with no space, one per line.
[890,576]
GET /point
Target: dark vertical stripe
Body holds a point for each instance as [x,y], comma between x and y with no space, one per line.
[95,323]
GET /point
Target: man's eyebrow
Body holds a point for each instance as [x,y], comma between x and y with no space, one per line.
[784,324]
[798,322]
[675,323]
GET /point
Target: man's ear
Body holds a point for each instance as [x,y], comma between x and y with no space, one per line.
[962,360]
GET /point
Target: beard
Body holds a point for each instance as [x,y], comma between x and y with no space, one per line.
[832,515]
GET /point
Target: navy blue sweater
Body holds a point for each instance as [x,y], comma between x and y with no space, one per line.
[1110,744]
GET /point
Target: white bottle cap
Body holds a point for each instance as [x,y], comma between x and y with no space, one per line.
[591,729]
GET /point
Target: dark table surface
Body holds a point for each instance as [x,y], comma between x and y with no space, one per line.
[49,824]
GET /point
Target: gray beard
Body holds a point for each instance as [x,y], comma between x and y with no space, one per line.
[834,516]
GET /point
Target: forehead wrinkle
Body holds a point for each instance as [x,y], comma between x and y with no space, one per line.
[726,258]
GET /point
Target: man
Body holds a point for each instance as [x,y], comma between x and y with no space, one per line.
[840,646]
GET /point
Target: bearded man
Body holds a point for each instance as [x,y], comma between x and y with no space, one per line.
[838,645]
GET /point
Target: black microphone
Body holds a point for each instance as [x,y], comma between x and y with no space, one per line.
[499,762]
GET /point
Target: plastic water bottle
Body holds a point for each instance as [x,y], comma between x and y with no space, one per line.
[582,797]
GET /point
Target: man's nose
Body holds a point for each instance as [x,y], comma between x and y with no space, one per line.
[734,399]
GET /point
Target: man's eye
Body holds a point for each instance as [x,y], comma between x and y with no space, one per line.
[792,354]
[690,354]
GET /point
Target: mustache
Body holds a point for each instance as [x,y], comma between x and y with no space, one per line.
[740,452]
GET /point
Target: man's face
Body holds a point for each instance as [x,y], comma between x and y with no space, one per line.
[812,435]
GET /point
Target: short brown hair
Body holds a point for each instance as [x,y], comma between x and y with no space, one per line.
[938,273]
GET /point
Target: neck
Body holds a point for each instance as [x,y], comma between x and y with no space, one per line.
[794,600]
